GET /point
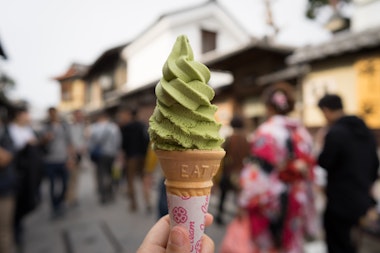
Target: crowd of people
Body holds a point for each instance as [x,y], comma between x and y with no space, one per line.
[270,171]
[54,151]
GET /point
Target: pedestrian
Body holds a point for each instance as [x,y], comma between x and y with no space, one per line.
[276,191]
[237,149]
[28,162]
[349,156]
[79,143]
[104,146]
[135,141]
[7,191]
[56,140]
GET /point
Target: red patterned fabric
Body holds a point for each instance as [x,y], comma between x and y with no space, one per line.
[291,175]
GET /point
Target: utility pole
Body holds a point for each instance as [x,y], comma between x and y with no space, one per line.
[269,21]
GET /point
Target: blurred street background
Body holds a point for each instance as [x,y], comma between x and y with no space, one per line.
[77,90]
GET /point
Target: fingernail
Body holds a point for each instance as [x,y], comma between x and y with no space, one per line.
[177,237]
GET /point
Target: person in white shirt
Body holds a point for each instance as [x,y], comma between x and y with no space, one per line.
[28,166]
[20,130]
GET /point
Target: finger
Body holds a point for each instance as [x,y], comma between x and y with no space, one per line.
[208,245]
[208,219]
[157,238]
[179,241]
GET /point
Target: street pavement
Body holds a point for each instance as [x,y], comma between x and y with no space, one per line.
[94,228]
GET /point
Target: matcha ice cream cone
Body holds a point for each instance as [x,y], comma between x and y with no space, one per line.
[186,138]
[188,184]
[189,173]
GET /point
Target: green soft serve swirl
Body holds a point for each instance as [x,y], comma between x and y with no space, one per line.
[184,116]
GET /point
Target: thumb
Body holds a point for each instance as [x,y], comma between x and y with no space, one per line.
[179,241]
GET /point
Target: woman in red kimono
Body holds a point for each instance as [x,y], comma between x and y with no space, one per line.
[276,182]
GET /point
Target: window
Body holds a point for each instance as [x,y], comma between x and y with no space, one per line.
[88,93]
[208,41]
[106,82]
[66,91]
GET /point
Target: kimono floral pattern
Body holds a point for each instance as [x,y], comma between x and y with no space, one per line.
[262,190]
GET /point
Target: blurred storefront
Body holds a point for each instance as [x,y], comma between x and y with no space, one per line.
[349,65]
[72,88]
[105,79]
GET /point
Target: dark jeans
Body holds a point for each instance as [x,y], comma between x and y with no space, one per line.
[225,186]
[57,173]
[338,233]
[104,177]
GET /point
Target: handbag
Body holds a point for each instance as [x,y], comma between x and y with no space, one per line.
[238,237]
[96,151]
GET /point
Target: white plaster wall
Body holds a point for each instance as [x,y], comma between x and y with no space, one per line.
[146,55]
[145,65]
[365,15]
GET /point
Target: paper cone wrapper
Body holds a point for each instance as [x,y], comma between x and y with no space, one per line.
[188,185]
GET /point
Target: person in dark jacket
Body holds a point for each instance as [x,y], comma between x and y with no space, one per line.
[135,141]
[7,191]
[350,158]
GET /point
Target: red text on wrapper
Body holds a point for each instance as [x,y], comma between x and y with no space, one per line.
[198,246]
[191,234]
[205,205]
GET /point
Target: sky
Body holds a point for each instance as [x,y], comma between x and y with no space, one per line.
[43,37]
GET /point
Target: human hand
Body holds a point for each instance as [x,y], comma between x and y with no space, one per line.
[70,163]
[301,166]
[33,142]
[241,213]
[5,157]
[162,239]
[47,137]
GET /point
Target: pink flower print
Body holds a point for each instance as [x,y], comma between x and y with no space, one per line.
[179,215]
[185,197]
[198,246]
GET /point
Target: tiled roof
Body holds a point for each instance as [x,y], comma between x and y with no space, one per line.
[214,58]
[105,62]
[345,42]
[75,70]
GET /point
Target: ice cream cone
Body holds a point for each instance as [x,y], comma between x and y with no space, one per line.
[188,183]
[189,173]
